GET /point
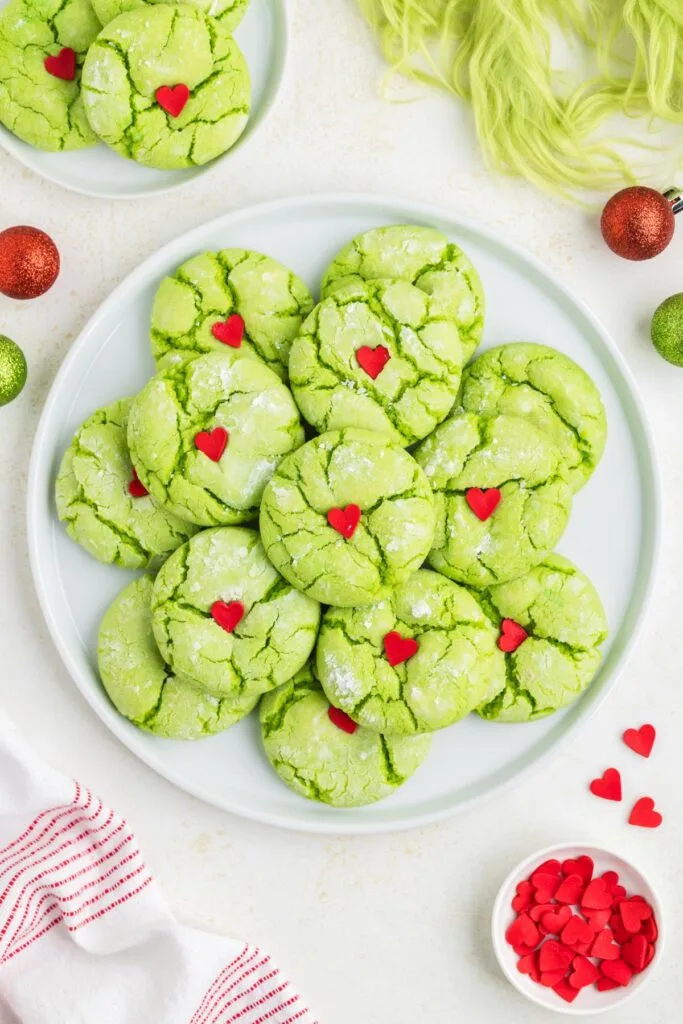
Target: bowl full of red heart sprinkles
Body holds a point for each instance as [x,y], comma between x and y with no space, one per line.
[577,929]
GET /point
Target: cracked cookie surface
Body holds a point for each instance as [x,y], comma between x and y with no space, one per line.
[166,45]
[267,647]
[241,396]
[272,301]
[143,688]
[94,502]
[39,108]
[334,470]
[416,387]
[549,389]
[562,612]
[504,452]
[423,257]
[228,12]
[320,761]
[457,665]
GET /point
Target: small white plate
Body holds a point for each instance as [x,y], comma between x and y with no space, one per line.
[99,171]
[589,1000]
[613,534]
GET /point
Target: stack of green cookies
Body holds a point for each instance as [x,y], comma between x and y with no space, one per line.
[397,571]
[162,83]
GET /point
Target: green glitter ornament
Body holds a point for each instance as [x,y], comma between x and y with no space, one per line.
[13,370]
[667,329]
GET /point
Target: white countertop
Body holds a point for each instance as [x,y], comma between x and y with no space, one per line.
[379,930]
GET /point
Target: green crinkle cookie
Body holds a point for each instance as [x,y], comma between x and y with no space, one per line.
[219,390]
[333,471]
[320,761]
[40,108]
[562,612]
[228,12]
[547,388]
[425,258]
[504,452]
[414,390]
[143,688]
[268,645]
[94,501]
[208,288]
[166,45]
[456,668]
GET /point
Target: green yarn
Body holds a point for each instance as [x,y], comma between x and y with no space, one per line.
[533,119]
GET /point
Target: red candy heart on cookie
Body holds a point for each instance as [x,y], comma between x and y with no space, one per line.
[212,443]
[399,648]
[483,503]
[373,360]
[63,65]
[172,100]
[229,332]
[512,636]
[228,616]
[136,488]
[342,720]
[344,520]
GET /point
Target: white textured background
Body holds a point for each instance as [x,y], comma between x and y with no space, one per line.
[384,930]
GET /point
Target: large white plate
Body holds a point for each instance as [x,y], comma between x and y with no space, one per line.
[473,759]
[99,171]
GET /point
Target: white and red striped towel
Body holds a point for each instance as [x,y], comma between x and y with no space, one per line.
[86,936]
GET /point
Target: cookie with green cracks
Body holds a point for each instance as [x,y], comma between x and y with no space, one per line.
[143,688]
[324,756]
[222,615]
[208,434]
[347,517]
[40,103]
[549,389]
[425,258]
[102,503]
[519,475]
[561,613]
[228,12]
[234,298]
[377,354]
[173,48]
[420,659]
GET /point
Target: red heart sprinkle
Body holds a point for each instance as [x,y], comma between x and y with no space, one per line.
[554,956]
[523,931]
[536,913]
[611,880]
[571,890]
[212,443]
[136,488]
[565,991]
[512,636]
[483,503]
[549,867]
[584,973]
[172,100]
[552,978]
[576,931]
[641,741]
[644,814]
[616,970]
[633,913]
[617,925]
[650,954]
[598,919]
[605,984]
[523,950]
[228,616]
[555,921]
[524,897]
[608,787]
[344,520]
[596,896]
[399,648]
[582,866]
[634,952]
[650,930]
[528,965]
[342,720]
[63,65]
[229,332]
[544,880]
[373,360]
[604,947]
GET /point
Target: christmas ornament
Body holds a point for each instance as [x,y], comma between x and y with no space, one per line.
[667,329]
[13,370]
[638,222]
[29,262]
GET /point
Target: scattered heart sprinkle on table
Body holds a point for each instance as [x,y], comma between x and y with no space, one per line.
[227,615]
[344,520]
[512,636]
[483,503]
[373,360]
[570,947]
[212,443]
[642,740]
[608,786]
[229,332]
[644,814]
[399,648]
[172,100]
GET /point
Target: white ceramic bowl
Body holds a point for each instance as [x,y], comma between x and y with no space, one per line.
[589,1000]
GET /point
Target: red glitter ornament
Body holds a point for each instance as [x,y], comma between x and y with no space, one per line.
[29,262]
[638,222]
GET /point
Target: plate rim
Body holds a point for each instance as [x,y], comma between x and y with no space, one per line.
[16,147]
[431,213]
